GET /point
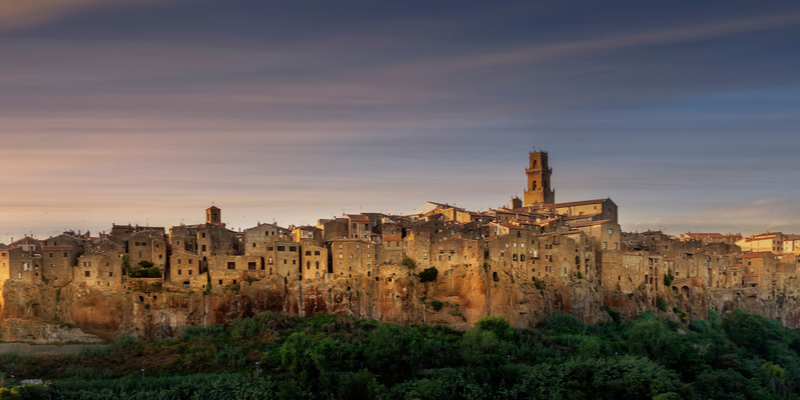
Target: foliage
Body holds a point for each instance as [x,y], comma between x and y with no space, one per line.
[741,356]
[662,303]
[149,272]
[409,262]
[668,280]
[428,275]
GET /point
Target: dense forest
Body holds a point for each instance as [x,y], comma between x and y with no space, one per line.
[274,356]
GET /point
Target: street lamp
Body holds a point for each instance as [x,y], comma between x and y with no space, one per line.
[142,373]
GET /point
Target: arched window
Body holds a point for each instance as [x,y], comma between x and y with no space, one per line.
[534,185]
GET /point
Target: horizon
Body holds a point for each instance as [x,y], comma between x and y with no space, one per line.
[148,112]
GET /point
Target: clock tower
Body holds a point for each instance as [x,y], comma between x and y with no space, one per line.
[538,172]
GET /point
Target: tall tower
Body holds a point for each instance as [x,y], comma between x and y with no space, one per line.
[213,216]
[539,191]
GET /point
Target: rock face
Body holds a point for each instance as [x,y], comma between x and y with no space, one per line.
[457,298]
[42,332]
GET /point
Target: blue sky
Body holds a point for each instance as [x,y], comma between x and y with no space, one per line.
[685,113]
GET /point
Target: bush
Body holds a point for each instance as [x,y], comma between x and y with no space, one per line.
[496,324]
[615,315]
[410,263]
[668,280]
[428,275]
[437,305]
[149,272]
[662,304]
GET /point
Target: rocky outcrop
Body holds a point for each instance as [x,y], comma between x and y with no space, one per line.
[457,298]
[42,332]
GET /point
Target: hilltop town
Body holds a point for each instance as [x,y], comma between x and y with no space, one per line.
[440,265]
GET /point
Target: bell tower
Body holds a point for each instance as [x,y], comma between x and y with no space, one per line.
[213,216]
[538,172]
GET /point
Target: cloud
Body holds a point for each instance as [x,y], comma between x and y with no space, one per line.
[15,14]
[773,214]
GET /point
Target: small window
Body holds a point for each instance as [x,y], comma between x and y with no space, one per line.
[316,253]
[308,253]
[110,274]
[281,248]
[231,265]
[292,248]
[87,273]
[180,272]
[251,265]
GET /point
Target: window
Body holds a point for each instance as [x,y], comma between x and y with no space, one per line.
[254,245]
[190,272]
[204,248]
[317,264]
[308,264]
[251,265]
[231,265]
[284,261]
[281,248]
[179,261]
[190,261]
[87,273]
[180,272]
[203,235]
[605,245]
[316,253]
[308,253]
[292,248]
[270,248]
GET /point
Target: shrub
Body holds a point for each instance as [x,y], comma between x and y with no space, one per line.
[149,272]
[437,305]
[615,315]
[410,263]
[496,324]
[668,280]
[429,275]
[662,304]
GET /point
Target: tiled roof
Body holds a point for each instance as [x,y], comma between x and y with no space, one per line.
[590,223]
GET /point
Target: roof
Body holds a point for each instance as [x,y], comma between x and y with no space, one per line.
[56,248]
[509,226]
[212,208]
[350,240]
[571,217]
[704,235]
[357,218]
[589,223]
[756,254]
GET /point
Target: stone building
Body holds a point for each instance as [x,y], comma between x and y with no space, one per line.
[101,269]
[538,176]
[148,246]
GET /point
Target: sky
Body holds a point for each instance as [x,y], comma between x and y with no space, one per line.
[685,113]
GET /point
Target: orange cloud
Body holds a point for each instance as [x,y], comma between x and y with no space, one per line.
[15,14]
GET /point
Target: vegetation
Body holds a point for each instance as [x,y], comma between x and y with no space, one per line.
[410,263]
[149,272]
[668,280]
[743,356]
[428,275]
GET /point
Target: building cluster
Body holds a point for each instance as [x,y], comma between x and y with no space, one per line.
[532,240]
